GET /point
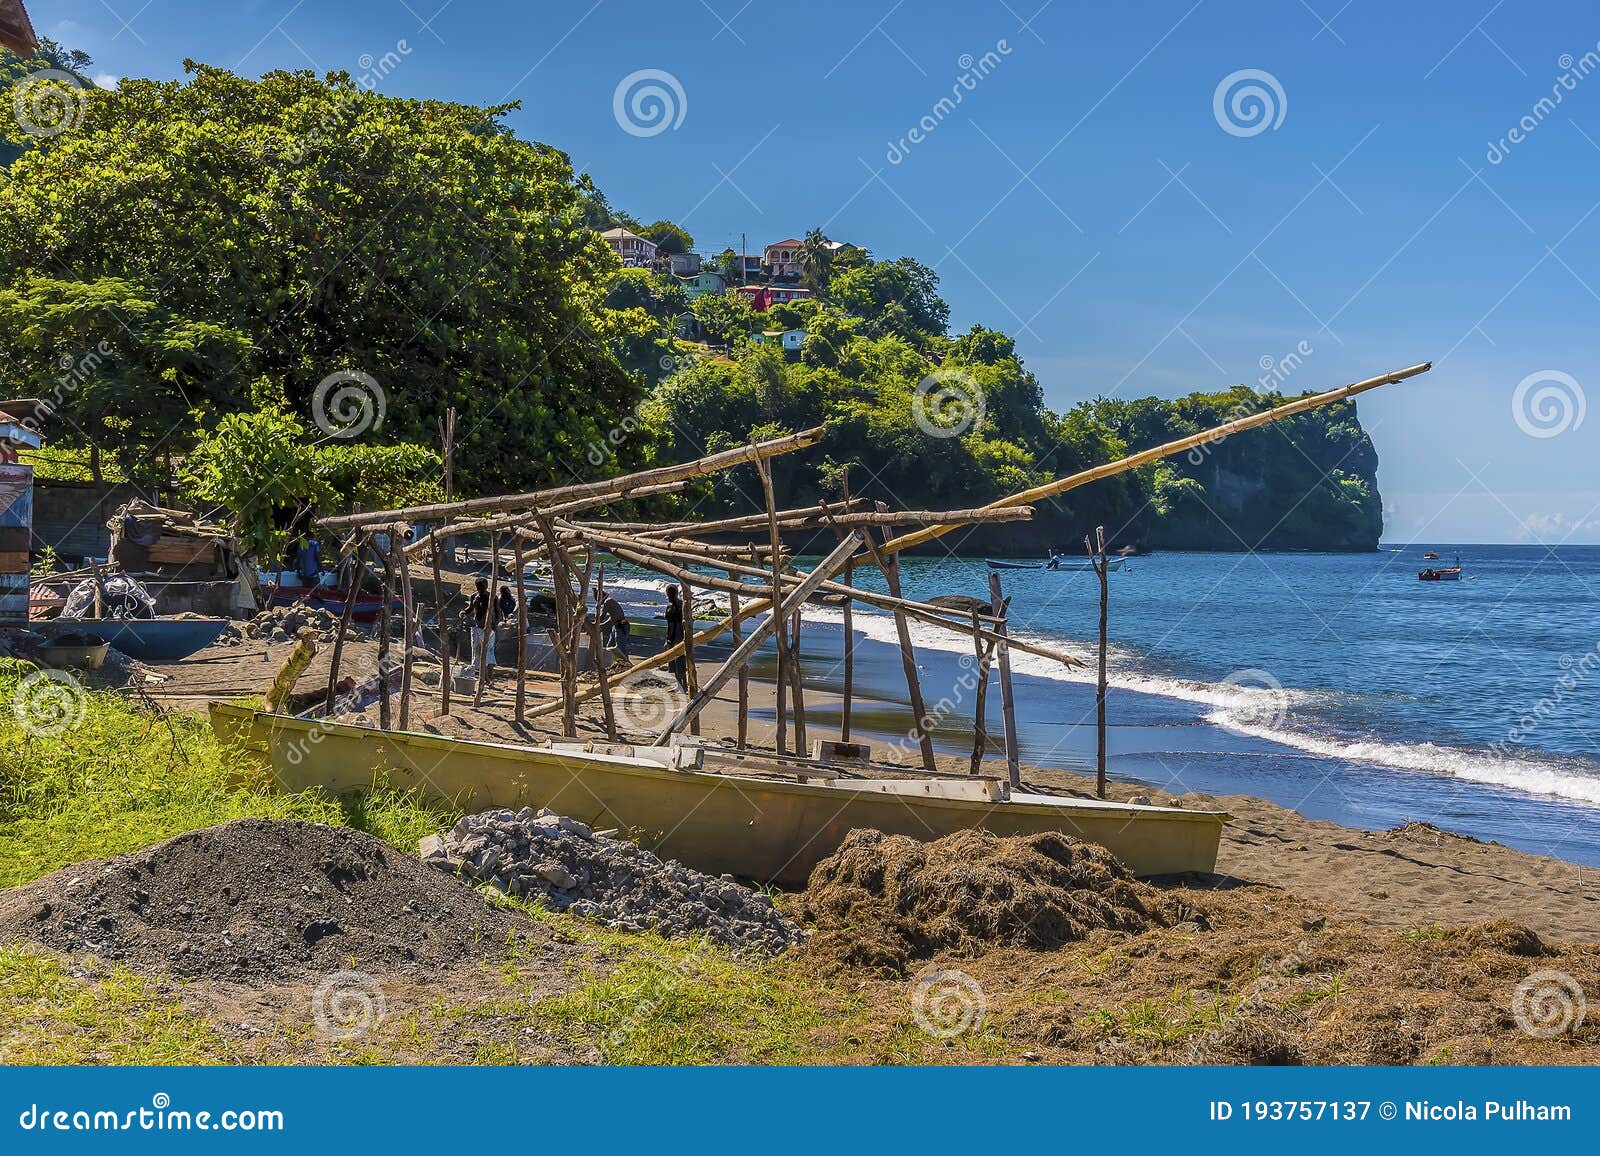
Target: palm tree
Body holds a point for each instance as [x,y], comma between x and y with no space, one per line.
[816,260]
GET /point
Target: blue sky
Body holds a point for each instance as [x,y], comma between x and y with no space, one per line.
[1088,194]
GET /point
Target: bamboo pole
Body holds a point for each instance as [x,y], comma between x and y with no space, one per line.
[801,746]
[408,650]
[774,622]
[618,486]
[523,517]
[691,675]
[811,519]
[602,679]
[1097,554]
[980,715]
[744,673]
[522,637]
[359,572]
[561,588]
[849,626]
[1008,710]
[777,598]
[890,565]
[939,616]
[384,719]
[1144,457]
[444,634]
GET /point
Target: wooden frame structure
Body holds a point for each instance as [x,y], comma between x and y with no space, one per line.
[759,578]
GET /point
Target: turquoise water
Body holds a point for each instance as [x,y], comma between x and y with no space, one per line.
[1339,685]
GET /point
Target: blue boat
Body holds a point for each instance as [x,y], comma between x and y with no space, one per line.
[147,639]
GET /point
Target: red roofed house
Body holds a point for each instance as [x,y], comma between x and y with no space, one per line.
[763,297]
[782,259]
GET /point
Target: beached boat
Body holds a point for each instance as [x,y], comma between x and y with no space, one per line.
[1058,564]
[769,820]
[148,639]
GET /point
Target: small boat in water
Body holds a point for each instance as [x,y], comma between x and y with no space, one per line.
[761,817]
[1072,565]
[1441,573]
[1431,556]
[147,639]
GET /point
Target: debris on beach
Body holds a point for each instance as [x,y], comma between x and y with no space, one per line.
[560,862]
[881,900]
[260,898]
[283,624]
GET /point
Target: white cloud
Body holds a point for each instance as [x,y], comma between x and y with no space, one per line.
[106,80]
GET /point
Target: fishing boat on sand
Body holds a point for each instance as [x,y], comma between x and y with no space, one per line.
[147,639]
[757,816]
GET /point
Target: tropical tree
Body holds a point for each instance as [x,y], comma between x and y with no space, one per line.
[298,225]
[816,261]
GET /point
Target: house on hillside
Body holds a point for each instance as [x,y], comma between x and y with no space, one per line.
[684,264]
[763,297]
[633,250]
[781,260]
[703,282]
[16,29]
[789,340]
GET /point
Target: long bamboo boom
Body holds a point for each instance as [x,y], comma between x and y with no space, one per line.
[507,521]
[626,483]
[1144,457]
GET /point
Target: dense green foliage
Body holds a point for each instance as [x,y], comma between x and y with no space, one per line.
[182,270]
[193,238]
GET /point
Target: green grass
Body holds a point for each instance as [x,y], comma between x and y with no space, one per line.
[53,1018]
[122,778]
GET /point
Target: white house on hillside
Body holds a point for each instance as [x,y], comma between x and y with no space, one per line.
[634,250]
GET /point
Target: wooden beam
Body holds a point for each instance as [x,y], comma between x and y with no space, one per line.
[660,475]
[741,653]
[890,566]
[1008,710]
[1144,457]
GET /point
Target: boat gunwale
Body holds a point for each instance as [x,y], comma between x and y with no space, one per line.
[642,768]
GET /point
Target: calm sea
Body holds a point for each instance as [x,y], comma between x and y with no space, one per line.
[1338,685]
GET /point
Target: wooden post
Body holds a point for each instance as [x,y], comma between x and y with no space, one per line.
[597,647]
[1097,555]
[359,572]
[408,612]
[485,659]
[980,737]
[801,747]
[890,565]
[522,638]
[444,635]
[566,661]
[777,598]
[997,608]
[775,619]
[849,630]
[686,593]
[384,716]
[744,668]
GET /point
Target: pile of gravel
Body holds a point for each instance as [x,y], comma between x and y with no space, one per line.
[284,623]
[260,898]
[562,863]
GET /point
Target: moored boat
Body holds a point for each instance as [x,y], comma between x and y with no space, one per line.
[1441,573]
[1059,564]
[329,598]
[771,821]
[147,639]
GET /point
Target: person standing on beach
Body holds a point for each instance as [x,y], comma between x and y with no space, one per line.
[678,667]
[612,620]
[484,611]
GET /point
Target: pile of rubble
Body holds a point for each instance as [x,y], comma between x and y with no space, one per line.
[284,623]
[562,863]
